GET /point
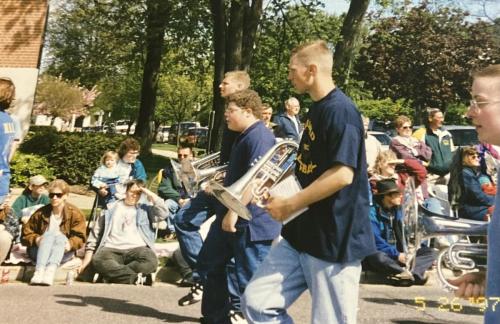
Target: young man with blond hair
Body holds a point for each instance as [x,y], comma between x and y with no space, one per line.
[484,111]
[322,248]
[230,236]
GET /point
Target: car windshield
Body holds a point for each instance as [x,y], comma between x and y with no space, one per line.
[383,138]
[464,137]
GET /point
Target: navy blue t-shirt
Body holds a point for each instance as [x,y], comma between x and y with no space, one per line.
[249,147]
[337,228]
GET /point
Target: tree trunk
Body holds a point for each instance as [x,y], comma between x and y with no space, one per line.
[156,22]
[233,49]
[219,30]
[344,50]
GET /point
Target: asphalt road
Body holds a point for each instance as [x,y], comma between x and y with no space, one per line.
[105,303]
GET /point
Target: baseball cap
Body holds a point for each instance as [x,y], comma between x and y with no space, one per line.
[38,180]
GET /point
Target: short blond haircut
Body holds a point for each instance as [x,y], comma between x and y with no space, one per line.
[109,154]
[491,71]
[240,77]
[401,120]
[7,93]
[59,184]
[382,158]
[315,52]
[247,99]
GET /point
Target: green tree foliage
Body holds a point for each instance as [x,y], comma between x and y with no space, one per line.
[283,27]
[384,110]
[425,56]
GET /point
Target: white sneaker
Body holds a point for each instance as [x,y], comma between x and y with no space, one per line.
[48,278]
[140,279]
[37,277]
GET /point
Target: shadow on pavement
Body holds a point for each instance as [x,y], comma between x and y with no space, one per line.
[123,307]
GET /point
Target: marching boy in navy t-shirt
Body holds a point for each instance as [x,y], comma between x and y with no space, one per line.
[230,236]
[322,248]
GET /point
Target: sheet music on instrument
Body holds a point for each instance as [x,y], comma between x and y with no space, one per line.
[287,188]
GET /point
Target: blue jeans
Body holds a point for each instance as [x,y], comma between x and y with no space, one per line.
[188,221]
[216,253]
[50,251]
[286,273]
[172,208]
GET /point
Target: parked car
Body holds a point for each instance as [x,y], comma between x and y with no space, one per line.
[463,135]
[121,127]
[162,135]
[382,137]
[172,134]
[195,136]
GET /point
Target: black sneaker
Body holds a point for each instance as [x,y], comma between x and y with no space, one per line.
[187,281]
[194,295]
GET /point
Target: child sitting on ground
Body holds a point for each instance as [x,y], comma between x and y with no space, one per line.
[106,177]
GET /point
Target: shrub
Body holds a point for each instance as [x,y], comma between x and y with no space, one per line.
[75,156]
[24,166]
[40,140]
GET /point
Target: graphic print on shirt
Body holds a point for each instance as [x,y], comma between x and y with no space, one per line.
[304,157]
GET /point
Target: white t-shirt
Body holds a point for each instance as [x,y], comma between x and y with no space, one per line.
[54,223]
[124,234]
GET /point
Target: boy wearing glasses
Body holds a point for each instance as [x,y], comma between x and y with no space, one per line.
[484,111]
[247,241]
[123,239]
[53,233]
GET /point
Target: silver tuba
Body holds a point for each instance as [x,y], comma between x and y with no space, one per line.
[193,173]
[254,185]
[420,224]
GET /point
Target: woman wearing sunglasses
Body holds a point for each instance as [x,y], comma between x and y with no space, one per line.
[53,233]
[469,188]
[407,147]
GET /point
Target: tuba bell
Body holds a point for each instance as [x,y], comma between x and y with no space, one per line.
[277,163]
[193,173]
[420,224]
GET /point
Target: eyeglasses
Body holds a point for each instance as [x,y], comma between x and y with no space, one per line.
[182,156]
[474,155]
[55,194]
[232,110]
[477,105]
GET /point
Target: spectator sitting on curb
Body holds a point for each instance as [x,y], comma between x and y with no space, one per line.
[9,229]
[33,197]
[386,217]
[53,233]
[123,238]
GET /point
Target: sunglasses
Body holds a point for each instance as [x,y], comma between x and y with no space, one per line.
[182,155]
[55,194]
[474,155]
[406,127]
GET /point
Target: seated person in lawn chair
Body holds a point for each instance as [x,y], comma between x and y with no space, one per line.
[170,189]
[121,244]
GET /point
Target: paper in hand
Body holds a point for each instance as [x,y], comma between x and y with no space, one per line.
[287,188]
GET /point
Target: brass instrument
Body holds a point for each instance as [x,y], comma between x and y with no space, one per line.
[255,184]
[420,224]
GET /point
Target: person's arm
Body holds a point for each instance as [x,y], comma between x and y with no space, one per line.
[330,182]
[77,230]
[472,188]
[30,236]
[424,151]
[158,211]
[415,169]
[400,150]
[381,244]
